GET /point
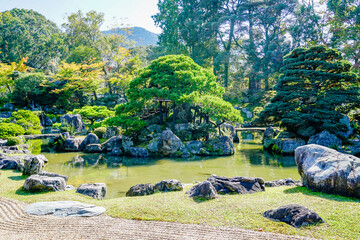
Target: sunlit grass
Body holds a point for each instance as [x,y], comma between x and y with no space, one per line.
[342,215]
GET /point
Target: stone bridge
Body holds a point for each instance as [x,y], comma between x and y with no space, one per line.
[42,136]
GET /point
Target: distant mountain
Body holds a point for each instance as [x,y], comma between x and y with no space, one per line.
[141,36]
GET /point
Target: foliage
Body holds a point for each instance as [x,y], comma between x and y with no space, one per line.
[12,141]
[75,82]
[314,84]
[28,120]
[132,125]
[100,131]
[94,113]
[83,54]
[34,145]
[10,130]
[26,33]
[28,88]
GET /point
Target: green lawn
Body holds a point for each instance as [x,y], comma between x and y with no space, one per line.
[342,215]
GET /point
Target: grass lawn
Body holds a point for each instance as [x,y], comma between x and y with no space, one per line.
[342,215]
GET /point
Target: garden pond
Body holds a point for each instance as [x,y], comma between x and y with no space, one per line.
[120,173]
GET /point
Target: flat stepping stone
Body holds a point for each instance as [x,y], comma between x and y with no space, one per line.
[64,209]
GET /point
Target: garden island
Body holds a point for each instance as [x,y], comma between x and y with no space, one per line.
[239,121]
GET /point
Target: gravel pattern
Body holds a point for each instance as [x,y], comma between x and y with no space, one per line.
[16,224]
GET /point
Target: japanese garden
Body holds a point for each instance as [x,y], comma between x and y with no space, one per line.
[240,120]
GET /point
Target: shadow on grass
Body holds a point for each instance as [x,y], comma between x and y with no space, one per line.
[332,197]
[17,178]
[21,191]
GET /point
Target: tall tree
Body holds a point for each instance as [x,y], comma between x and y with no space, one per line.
[26,33]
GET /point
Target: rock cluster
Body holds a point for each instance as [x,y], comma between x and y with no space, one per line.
[148,189]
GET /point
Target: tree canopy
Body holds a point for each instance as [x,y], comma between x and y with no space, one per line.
[315,88]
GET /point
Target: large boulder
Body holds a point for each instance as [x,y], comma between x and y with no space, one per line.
[93,148]
[325,139]
[150,132]
[327,170]
[72,144]
[239,185]
[9,163]
[38,183]
[168,144]
[111,132]
[168,186]
[294,215]
[141,190]
[287,145]
[121,142]
[220,146]
[51,174]
[91,138]
[349,130]
[202,190]
[138,152]
[75,121]
[64,209]
[33,164]
[96,190]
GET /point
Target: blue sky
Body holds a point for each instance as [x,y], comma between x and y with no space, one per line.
[117,12]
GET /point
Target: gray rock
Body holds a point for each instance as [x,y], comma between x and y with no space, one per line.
[194,147]
[138,152]
[91,138]
[239,185]
[122,142]
[248,113]
[150,132]
[202,190]
[64,209]
[93,148]
[345,120]
[168,186]
[51,174]
[8,106]
[69,187]
[294,215]
[72,144]
[326,139]
[168,144]
[96,190]
[111,132]
[33,164]
[282,182]
[116,152]
[141,190]
[5,114]
[220,146]
[9,163]
[326,170]
[226,127]
[269,133]
[37,183]
[287,145]
[75,121]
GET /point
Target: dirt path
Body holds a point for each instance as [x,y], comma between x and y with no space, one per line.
[16,224]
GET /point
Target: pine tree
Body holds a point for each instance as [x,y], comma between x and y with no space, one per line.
[316,87]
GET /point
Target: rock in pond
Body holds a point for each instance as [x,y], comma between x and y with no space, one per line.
[220,146]
[64,209]
[33,164]
[117,152]
[194,147]
[96,190]
[72,144]
[93,148]
[168,144]
[138,152]
[325,139]
[282,182]
[38,183]
[150,132]
[327,170]
[239,185]
[168,186]
[141,190]
[227,127]
[294,215]
[75,121]
[288,145]
[91,138]
[202,190]
[122,142]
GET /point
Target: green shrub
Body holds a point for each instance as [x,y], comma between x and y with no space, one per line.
[12,141]
[10,130]
[28,120]
[100,132]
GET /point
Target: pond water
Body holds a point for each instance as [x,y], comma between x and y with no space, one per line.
[120,173]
